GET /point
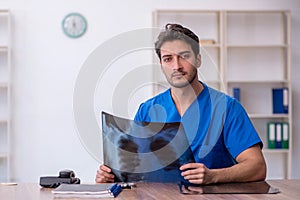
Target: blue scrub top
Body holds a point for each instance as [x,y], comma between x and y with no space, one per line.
[217,126]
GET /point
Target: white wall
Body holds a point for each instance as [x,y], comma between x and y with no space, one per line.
[45,64]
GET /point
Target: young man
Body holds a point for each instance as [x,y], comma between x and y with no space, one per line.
[224,142]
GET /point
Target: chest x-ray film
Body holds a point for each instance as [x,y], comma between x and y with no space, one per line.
[143,151]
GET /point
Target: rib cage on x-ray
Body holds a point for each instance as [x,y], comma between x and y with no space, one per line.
[142,151]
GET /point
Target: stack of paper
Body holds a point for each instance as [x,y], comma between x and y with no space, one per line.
[87,190]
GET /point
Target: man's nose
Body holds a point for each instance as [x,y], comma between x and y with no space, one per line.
[177,63]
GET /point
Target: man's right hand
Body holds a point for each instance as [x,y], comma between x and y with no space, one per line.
[104,175]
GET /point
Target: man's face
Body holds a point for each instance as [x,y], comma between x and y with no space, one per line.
[179,63]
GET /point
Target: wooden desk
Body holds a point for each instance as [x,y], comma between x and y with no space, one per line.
[290,189]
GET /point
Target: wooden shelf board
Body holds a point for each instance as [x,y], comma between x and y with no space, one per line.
[210,45]
[276,150]
[257,81]
[3,155]
[3,85]
[3,48]
[256,46]
[256,11]
[275,116]
[2,121]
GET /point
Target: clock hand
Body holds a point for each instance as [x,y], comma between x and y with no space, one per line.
[74,23]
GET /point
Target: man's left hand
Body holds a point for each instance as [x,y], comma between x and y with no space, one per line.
[196,173]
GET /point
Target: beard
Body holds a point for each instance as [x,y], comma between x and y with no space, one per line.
[184,80]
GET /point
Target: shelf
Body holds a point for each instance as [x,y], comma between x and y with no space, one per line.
[211,81]
[3,48]
[256,46]
[206,26]
[268,116]
[285,151]
[4,12]
[3,155]
[245,49]
[256,11]
[256,28]
[257,81]
[3,85]
[256,64]
[210,45]
[3,120]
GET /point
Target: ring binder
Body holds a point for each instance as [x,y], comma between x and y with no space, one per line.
[280,100]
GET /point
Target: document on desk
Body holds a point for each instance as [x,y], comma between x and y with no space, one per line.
[141,151]
[103,190]
[258,187]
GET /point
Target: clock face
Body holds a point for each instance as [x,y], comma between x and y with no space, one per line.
[74,25]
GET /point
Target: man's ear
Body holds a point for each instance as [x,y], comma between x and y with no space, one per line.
[198,61]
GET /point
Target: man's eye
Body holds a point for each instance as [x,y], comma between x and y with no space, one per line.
[185,56]
[167,59]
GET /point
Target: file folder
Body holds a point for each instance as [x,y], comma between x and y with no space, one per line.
[285,135]
[271,135]
[237,93]
[280,100]
[278,139]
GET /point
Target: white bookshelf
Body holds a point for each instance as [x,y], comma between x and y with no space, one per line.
[5,95]
[251,52]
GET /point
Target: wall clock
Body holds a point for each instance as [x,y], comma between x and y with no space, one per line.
[74,25]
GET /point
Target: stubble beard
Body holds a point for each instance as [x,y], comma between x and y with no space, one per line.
[184,83]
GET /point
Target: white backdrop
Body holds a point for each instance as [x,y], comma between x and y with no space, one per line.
[45,64]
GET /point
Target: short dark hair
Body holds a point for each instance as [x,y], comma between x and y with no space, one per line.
[177,32]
